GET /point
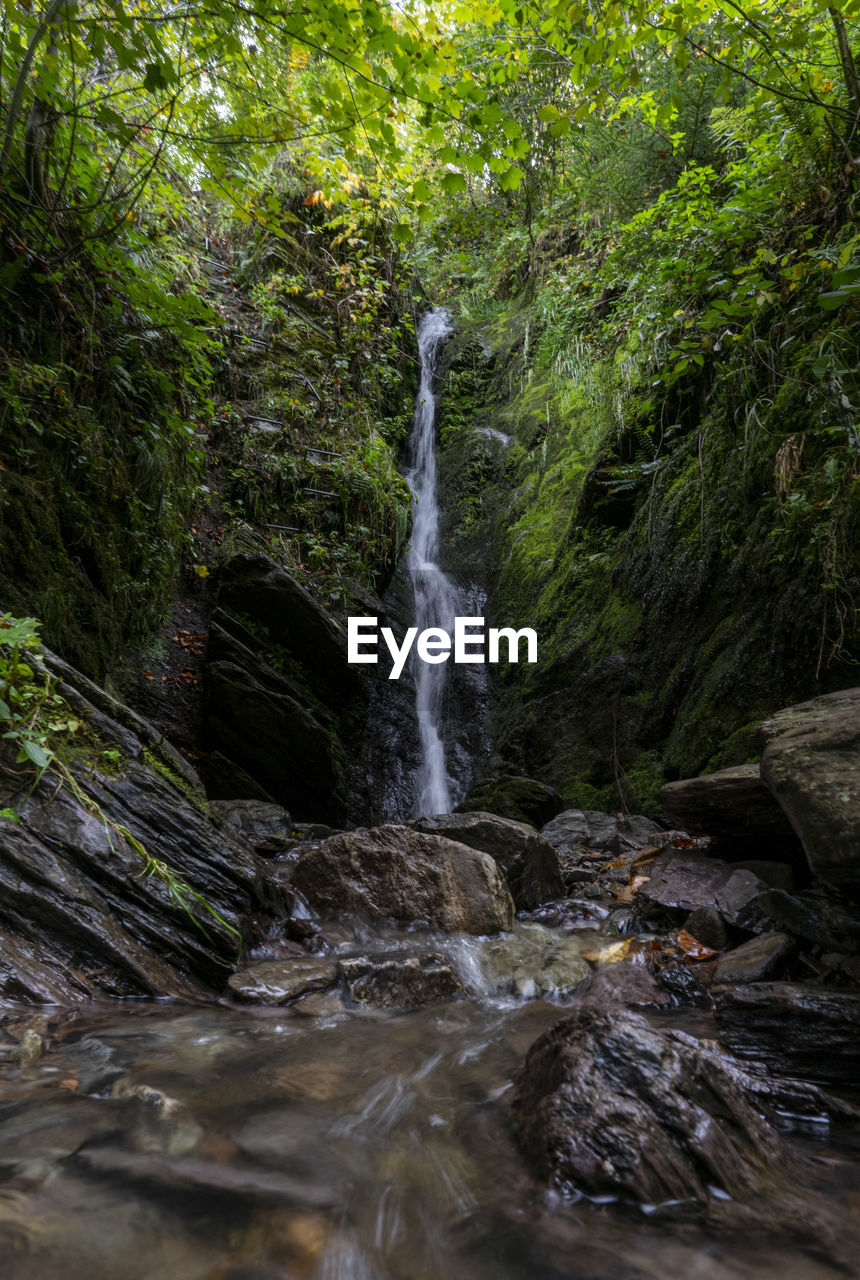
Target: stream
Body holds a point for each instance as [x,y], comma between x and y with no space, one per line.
[192,1142]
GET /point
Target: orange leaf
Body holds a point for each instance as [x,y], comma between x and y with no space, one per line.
[693,948]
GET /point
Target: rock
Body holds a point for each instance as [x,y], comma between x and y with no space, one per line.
[281,981]
[754,961]
[529,862]
[254,718]
[805,915]
[626,983]
[607,832]
[779,875]
[534,962]
[396,873]
[813,770]
[521,799]
[78,915]
[708,927]
[225,780]
[399,982]
[686,881]
[807,1031]
[256,587]
[678,979]
[843,701]
[606,1104]
[264,826]
[735,807]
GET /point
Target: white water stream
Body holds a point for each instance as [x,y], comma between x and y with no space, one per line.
[434,594]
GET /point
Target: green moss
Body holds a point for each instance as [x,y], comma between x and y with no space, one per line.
[165,769]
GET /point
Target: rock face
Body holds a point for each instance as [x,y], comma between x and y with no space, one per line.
[813,770]
[521,799]
[395,873]
[606,832]
[813,1032]
[399,982]
[267,827]
[78,915]
[529,862]
[607,1104]
[734,806]
[263,723]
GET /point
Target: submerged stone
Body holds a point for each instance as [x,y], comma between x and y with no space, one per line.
[282,981]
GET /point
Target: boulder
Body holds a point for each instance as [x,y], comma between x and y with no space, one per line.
[266,827]
[686,881]
[754,961]
[521,799]
[396,873]
[627,983]
[282,981]
[707,926]
[535,962]
[613,833]
[606,1104]
[735,807]
[807,1031]
[399,982]
[813,771]
[529,862]
[804,915]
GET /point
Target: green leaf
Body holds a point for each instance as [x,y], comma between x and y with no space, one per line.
[513,179]
[39,755]
[453,183]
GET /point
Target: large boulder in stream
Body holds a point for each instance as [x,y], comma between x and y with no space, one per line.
[529,862]
[735,807]
[807,1031]
[398,874]
[617,833]
[607,1104]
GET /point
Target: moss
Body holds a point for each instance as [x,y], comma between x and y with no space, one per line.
[162,765]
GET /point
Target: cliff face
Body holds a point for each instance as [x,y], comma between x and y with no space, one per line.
[687,554]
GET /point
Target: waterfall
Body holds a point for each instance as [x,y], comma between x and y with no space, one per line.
[434,594]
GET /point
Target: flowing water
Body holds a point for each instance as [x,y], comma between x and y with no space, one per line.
[435,596]
[156,1142]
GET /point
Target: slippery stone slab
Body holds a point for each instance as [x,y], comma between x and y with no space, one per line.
[399,874]
[754,961]
[687,881]
[529,862]
[807,1031]
[281,981]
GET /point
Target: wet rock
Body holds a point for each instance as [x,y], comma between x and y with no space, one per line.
[707,926]
[813,770]
[626,983]
[399,982]
[735,807]
[754,961]
[612,833]
[607,1104]
[686,881]
[225,779]
[534,962]
[778,875]
[808,1031]
[530,863]
[77,915]
[678,979]
[266,827]
[396,873]
[809,916]
[521,799]
[279,982]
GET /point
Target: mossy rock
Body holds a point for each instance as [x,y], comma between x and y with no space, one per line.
[522,799]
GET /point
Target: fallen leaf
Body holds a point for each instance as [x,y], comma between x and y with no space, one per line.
[629,892]
[647,854]
[693,948]
[70,1085]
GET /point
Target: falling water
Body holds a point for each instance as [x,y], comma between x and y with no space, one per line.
[434,594]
